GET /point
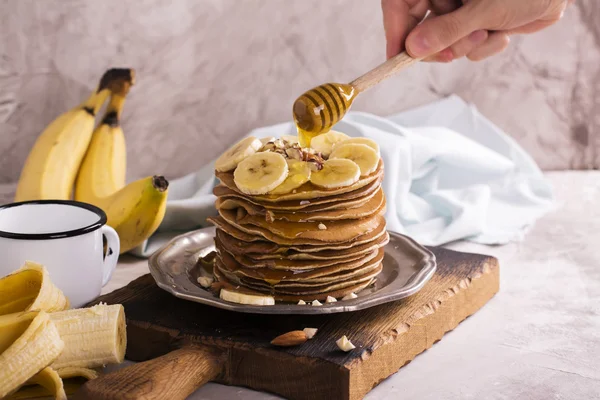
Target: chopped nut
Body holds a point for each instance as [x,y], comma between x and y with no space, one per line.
[322,226]
[317,303]
[350,296]
[344,344]
[314,165]
[296,154]
[293,338]
[310,332]
[330,299]
[270,216]
[205,281]
[301,303]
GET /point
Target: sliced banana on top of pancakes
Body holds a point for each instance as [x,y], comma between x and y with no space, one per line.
[279,171]
[229,160]
[260,173]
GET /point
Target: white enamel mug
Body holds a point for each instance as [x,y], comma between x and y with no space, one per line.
[65,237]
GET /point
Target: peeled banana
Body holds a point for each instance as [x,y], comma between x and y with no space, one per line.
[51,167]
[366,157]
[29,342]
[336,173]
[45,383]
[30,289]
[260,173]
[92,337]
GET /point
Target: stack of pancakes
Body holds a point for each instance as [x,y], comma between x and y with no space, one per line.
[305,245]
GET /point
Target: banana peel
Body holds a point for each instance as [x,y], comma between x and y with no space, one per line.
[30,289]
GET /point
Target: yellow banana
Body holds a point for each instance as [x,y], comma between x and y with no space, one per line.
[103,170]
[137,210]
[51,167]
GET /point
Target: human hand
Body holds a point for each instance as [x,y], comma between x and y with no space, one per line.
[476,29]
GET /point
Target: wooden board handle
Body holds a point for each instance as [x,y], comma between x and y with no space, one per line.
[173,376]
[383,71]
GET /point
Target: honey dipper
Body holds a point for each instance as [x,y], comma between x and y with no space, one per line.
[317,110]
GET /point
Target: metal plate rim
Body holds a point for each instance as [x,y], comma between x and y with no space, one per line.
[412,286]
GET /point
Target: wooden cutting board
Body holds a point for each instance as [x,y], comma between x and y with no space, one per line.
[199,343]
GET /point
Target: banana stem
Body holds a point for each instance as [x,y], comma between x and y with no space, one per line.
[112,117]
[160,183]
[115,81]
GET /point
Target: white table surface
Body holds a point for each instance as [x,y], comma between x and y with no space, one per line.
[538,338]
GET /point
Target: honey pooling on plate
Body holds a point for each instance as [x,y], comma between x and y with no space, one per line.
[318,109]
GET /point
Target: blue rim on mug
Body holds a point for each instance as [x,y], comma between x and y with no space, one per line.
[56,235]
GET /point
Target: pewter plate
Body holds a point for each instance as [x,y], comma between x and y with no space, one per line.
[407,266]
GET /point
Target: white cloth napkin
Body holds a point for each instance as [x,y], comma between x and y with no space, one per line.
[450,174]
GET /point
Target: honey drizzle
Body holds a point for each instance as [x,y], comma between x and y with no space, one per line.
[320,108]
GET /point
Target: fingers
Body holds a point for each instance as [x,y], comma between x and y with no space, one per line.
[496,43]
[395,24]
[440,32]
[461,48]
[399,18]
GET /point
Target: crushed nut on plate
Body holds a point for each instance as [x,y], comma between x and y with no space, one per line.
[344,344]
[310,332]
[350,296]
[205,281]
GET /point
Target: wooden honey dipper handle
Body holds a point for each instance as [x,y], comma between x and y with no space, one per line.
[383,71]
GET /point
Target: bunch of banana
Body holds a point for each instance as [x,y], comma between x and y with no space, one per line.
[135,211]
[281,166]
[40,345]
[70,154]
[52,165]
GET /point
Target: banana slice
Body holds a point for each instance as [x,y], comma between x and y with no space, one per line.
[236,153]
[260,173]
[290,138]
[336,173]
[324,143]
[363,155]
[360,140]
[298,175]
[242,298]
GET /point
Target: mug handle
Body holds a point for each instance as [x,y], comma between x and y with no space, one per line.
[112,253]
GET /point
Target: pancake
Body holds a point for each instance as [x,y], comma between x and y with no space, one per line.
[354,198]
[283,264]
[247,243]
[223,282]
[306,244]
[366,209]
[277,278]
[307,289]
[286,233]
[307,191]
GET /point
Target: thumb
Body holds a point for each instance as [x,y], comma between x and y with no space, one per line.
[437,33]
